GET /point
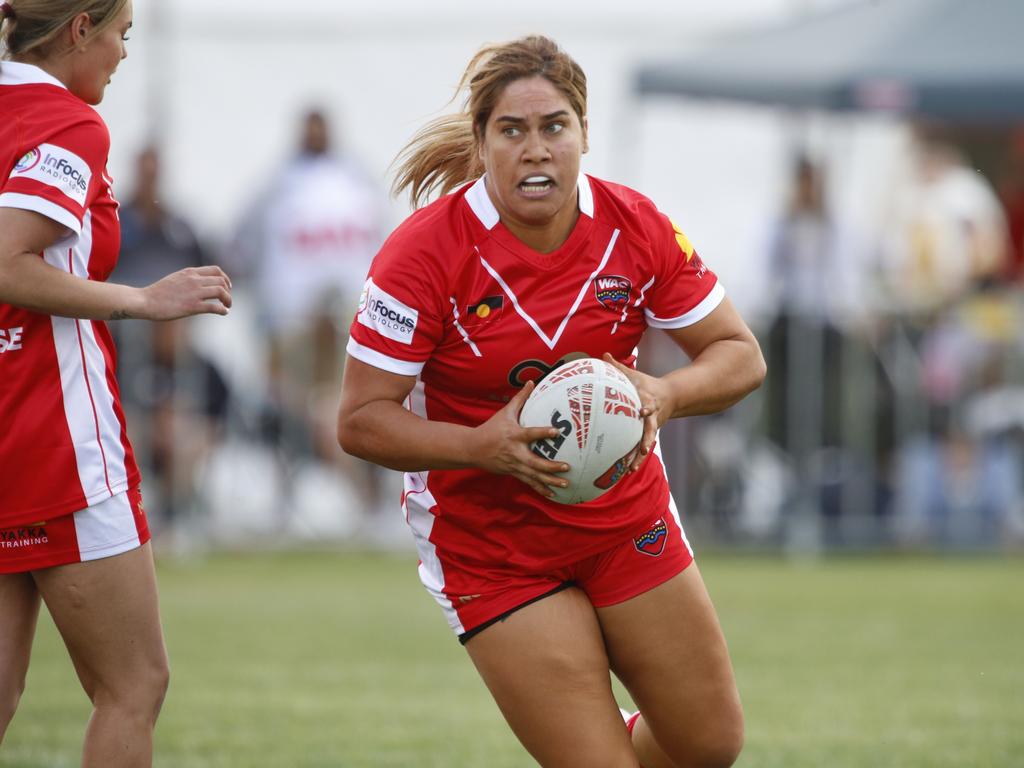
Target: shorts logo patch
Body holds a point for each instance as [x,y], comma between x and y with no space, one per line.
[612,291]
[381,312]
[653,541]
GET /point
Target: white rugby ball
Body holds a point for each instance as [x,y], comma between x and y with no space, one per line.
[597,412]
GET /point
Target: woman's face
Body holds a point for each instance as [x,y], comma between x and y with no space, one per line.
[531,151]
[95,60]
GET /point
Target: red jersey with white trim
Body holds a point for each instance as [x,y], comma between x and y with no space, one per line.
[63,445]
[456,299]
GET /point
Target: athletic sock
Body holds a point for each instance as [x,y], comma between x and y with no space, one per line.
[631,721]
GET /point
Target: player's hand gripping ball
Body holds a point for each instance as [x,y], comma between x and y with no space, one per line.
[596,410]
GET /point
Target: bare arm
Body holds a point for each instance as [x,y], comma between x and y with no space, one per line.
[726,365]
[29,282]
[373,424]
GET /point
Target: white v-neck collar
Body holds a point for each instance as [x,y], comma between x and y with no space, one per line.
[19,73]
[482,206]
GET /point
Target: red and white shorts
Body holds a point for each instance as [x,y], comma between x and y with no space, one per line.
[108,528]
[615,575]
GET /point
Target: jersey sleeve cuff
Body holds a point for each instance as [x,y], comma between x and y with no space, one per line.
[43,206]
[695,315]
[384,362]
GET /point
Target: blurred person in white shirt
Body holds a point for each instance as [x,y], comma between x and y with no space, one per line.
[306,244]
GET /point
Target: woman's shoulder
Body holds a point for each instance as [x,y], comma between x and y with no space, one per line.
[438,228]
[48,112]
[624,207]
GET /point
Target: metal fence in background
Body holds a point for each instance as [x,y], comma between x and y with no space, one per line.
[907,434]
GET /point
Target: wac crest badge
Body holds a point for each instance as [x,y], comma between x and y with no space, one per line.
[612,291]
[653,541]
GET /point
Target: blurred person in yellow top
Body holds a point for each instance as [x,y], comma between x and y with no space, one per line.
[946,232]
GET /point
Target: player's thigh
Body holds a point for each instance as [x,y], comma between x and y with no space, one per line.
[547,669]
[667,647]
[19,610]
[107,612]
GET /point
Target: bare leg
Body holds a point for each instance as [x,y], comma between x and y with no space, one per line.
[547,669]
[19,610]
[668,649]
[106,611]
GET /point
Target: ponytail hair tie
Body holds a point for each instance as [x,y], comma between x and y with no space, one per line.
[7,11]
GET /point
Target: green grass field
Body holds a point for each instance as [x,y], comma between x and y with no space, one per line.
[342,660]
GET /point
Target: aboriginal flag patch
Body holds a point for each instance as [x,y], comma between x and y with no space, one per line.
[485,310]
[653,541]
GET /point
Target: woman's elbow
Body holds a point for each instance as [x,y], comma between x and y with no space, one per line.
[758,368]
[348,435]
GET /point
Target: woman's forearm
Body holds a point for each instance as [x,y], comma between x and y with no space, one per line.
[29,282]
[386,433]
[722,375]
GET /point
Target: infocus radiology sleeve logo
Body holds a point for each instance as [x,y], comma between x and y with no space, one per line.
[58,168]
[386,315]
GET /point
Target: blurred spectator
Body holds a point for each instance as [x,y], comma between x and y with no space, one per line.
[177,399]
[154,240]
[306,245]
[948,233]
[814,271]
[962,478]
[946,255]
[815,266]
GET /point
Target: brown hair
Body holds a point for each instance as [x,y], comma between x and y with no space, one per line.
[36,23]
[443,154]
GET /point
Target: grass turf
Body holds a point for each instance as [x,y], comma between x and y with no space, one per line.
[320,660]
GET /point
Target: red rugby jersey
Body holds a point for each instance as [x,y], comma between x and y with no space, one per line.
[63,444]
[456,299]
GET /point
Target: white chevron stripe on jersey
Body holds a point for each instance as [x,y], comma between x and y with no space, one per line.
[552,341]
[461,330]
[640,298]
[88,402]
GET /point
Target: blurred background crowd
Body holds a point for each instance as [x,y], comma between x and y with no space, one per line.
[875,245]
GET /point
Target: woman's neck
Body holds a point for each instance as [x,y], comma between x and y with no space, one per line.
[552,234]
[57,67]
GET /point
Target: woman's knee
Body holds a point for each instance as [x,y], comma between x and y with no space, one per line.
[719,748]
[715,744]
[139,695]
[161,680]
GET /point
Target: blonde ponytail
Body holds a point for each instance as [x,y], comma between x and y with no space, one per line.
[440,156]
[37,23]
